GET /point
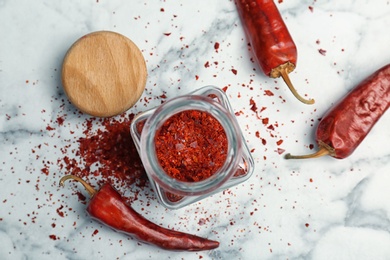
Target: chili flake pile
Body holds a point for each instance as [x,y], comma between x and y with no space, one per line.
[108,152]
[191,146]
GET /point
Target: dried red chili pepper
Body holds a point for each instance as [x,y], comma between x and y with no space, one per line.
[272,44]
[345,126]
[108,207]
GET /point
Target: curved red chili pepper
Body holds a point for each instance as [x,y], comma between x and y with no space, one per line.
[272,44]
[108,207]
[345,126]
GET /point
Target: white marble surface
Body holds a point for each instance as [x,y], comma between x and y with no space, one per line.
[314,209]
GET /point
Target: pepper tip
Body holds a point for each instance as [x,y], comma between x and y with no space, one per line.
[311,101]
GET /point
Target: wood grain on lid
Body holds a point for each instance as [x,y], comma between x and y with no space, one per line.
[104,74]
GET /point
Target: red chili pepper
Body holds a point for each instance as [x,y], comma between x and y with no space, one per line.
[345,126]
[108,207]
[272,44]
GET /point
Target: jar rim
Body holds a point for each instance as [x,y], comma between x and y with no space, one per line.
[175,106]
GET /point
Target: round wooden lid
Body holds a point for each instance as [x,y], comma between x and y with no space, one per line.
[104,74]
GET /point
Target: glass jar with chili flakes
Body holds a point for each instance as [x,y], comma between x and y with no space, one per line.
[192,147]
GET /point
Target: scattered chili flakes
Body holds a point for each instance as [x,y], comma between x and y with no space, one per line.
[60,120]
[95,232]
[268,93]
[271,127]
[81,196]
[45,171]
[202,221]
[60,213]
[234,71]
[253,105]
[107,152]
[114,149]
[167,34]
[216,46]
[322,52]
[54,237]
[49,128]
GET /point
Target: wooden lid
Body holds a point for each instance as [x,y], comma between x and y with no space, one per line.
[104,74]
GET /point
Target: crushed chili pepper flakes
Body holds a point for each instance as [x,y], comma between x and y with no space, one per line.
[322,52]
[253,105]
[95,232]
[105,152]
[53,237]
[60,212]
[181,142]
[216,46]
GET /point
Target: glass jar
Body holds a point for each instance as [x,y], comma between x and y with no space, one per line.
[236,168]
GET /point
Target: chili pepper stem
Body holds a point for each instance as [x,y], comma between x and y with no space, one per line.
[321,152]
[91,191]
[282,71]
